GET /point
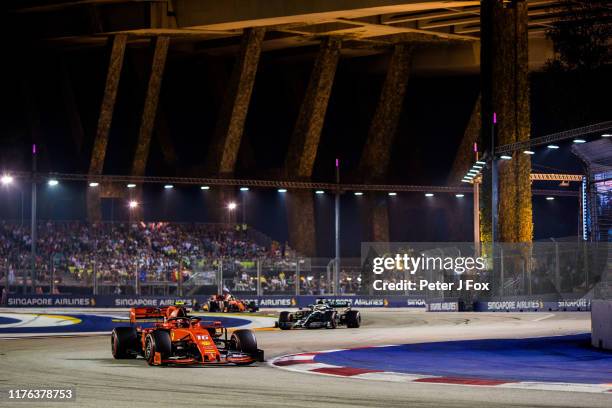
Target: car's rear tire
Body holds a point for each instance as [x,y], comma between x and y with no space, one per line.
[157,341]
[284,321]
[353,319]
[124,342]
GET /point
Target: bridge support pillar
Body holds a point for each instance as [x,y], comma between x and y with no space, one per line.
[376,154]
[139,164]
[229,129]
[506,95]
[230,124]
[304,144]
[98,154]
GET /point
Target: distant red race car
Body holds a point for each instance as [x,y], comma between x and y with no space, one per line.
[229,304]
[177,338]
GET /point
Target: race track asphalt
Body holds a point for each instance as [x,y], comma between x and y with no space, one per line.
[100,381]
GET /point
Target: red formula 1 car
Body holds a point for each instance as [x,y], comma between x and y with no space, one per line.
[229,304]
[177,338]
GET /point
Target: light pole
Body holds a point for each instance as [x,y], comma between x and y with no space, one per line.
[337,227]
[33,218]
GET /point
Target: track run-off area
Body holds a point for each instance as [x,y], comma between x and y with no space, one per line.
[499,347]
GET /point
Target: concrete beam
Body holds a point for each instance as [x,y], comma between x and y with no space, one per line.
[376,218]
[376,154]
[160,53]
[301,222]
[161,129]
[304,145]
[108,104]
[98,153]
[307,132]
[229,129]
[230,124]
[255,13]
[160,47]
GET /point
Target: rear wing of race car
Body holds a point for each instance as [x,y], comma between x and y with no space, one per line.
[335,303]
[138,313]
[339,303]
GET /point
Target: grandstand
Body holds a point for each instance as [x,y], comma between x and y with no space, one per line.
[194,259]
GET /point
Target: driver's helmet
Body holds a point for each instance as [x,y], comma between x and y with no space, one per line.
[320,307]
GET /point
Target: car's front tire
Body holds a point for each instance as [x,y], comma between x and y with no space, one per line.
[157,341]
[284,321]
[244,341]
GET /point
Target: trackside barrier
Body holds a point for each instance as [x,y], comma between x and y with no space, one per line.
[444,305]
[261,301]
[566,305]
[535,305]
[431,305]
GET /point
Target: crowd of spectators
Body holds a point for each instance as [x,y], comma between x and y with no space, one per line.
[156,251]
[150,253]
[282,277]
[70,252]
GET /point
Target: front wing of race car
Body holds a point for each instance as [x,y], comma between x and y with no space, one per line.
[231,357]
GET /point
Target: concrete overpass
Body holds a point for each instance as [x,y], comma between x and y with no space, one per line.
[452,28]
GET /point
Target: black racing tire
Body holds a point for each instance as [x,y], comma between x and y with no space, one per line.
[157,341]
[330,316]
[124,342]
[353,319]
[284,321]
[244,341]
[213,306]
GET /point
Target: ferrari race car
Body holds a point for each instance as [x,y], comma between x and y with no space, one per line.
[228,304]
[323,314]
[177,338]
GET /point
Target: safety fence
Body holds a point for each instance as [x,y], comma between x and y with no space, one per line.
[548,271]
